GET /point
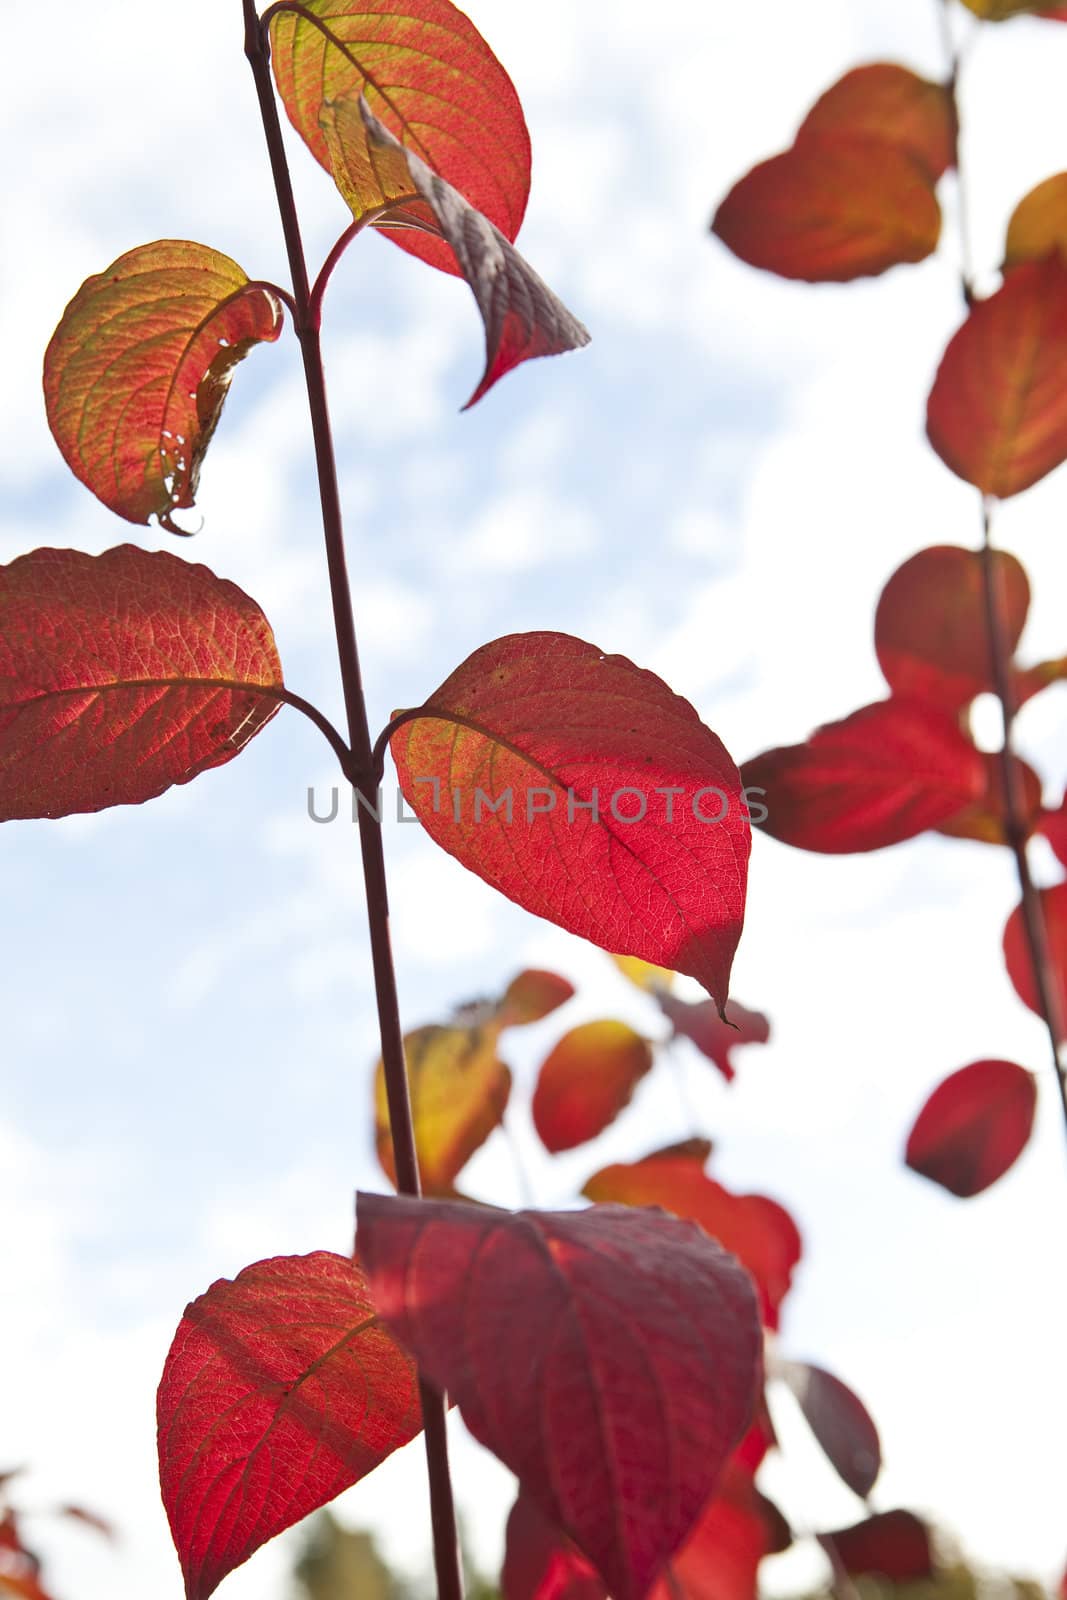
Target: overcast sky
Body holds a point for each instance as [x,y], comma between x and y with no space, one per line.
[718,488]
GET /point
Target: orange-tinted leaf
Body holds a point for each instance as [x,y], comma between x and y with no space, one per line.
[585,1081]
[883,774]
[532,995]
[522,317]
[122,674]
[894,1545]
[281,1388]
[890,104]
[137,371]
[644,975]
[1017,952]
[19,1567]
[619,815]
[1001,10]
[433,81]
[712,1036]
[930,629]
[758,1231]
[459,1093]
[973,1127]
[986,820]
[1038,224]
[618,1394]
[840,1422]
[997,413]
[541,1563]
[830,210]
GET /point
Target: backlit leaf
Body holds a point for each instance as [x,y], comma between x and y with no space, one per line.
[122,674]
[831,209]
[586,1080]
[619,814]
[889,103]
[541,1563]
[644,974]
[883,774]
[997,413]
[618,1394]
[930,628]
[136,373]
[281,1389]
[1053,903]
[759,1232]
[714,1038]
[1038,224]
[894,1545]
[532,995]
[522,317]
[840,1422]
[986,820]
[974,1126]
[1001,10]
[459,1093]
[430,77]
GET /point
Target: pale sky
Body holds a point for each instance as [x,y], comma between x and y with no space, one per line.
[718,488]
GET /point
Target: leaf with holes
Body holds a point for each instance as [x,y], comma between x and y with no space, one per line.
[136,373]
[713,1037]
[759,1232]
[430,77]
[617,1396]
[974,1127]
[586,1079]
[841,1423]
[1038,225]
[281,1389]
[1053,902]
[588,792]
[883,774]
[997,413]
[459,1093]
[930,629]
[894,106]
[894,1545]
[122,674]
[522,317]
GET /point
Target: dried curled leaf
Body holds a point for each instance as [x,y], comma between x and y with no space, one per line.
[136,373]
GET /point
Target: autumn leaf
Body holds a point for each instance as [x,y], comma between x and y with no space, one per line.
[588,792]
[432,80]
[280,1390]
[758,1231]
[889,103]
[1053,825]
[841,1423]
[531,996]
[541,1563]
[1001,10]
[1038,225]
[122,674]
[522,317]
[881,775]
[1053,903]
[701,1024]
[619,1393]
[987,819]
[894,1545]
[136,373]
[644,975]
[931,632]
[997,413]
[974,1126]
[459,1093]
[586,1079]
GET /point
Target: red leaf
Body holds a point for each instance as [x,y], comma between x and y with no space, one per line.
[930,629]
[434,82]
[997,413]
[756,1230]
[617,1395]
[584,743]
[1053,825]
[840,1422]
[883,774]
[522,317]
[1038,224]
[987,819]
[973,1127]
[890,104]
[459,1092]
[541,1563]
[531,996]
[122,674]
[280,1390]
[830,210]
[586,1079]
[136,373]
[894,1544]
[1017,952]
[721,1558]
[715,1038]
